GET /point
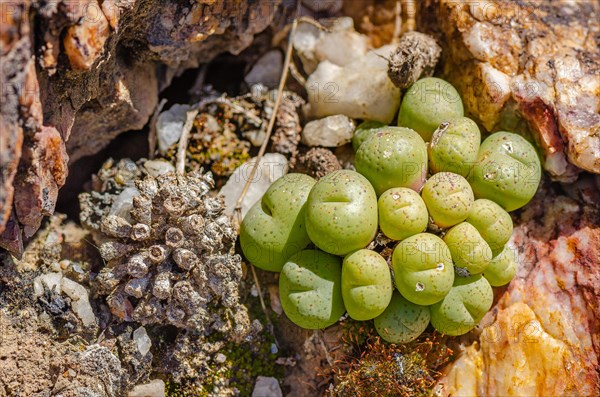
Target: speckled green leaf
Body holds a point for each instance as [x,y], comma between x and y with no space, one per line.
[310,289]
[366,284]
[341,212]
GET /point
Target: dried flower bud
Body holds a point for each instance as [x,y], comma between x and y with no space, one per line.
[149,311]
[192,224]
[111,250]
[148,186]
[187,296]
[162,285]
[174,237]
[158,253]
[174,205]
[107,280]
[185,258]
[115,226]
[140,232]
[137,266]
[142,210]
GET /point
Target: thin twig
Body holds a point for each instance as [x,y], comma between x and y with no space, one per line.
[322,343]
[262,304]
[296,74]
[223,100]
[261,152]
[313,22]
[263,147]
[152,138]
[283,33]
[183,140]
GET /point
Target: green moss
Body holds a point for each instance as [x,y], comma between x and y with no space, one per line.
[245,364]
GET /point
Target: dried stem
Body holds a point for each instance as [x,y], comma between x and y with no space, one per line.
[153,132]
[263,147]
[183,141]
[313,22]
[319,334]
[296,74]
[257,120]
[261,152]
[262,304]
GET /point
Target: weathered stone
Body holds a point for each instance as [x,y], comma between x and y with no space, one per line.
[266,386]
[361,89]
[155,388]
[330,131]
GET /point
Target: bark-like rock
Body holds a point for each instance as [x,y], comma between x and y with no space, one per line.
[538,61]
[100,66]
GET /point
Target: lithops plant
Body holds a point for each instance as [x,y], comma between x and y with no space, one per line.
[402,213]
[310,289]
[393,157]
[341,212]
[428,103]
[402,321]
[274,228]
[363,131]
[423,269]
[169,252]
[502,268]
[464,306]
[507,171]
[492,222]
[448,197]
[366,284]
[454,146]
[468,249]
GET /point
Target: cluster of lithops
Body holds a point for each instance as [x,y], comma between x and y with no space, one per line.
[167,246]
[432,188]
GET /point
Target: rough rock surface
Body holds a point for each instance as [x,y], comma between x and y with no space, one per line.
[100,66]
[360,89]
[536,60]
[541,337]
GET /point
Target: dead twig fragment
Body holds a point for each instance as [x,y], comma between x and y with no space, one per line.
[263,147]
[262,304]
[237,108]
[183,141]
[152,135]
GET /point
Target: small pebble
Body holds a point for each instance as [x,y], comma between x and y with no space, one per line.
[221,358]
[156,388]
[141,338]
[332,131]
[266,387]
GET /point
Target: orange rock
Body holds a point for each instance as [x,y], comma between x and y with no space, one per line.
[84,42]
